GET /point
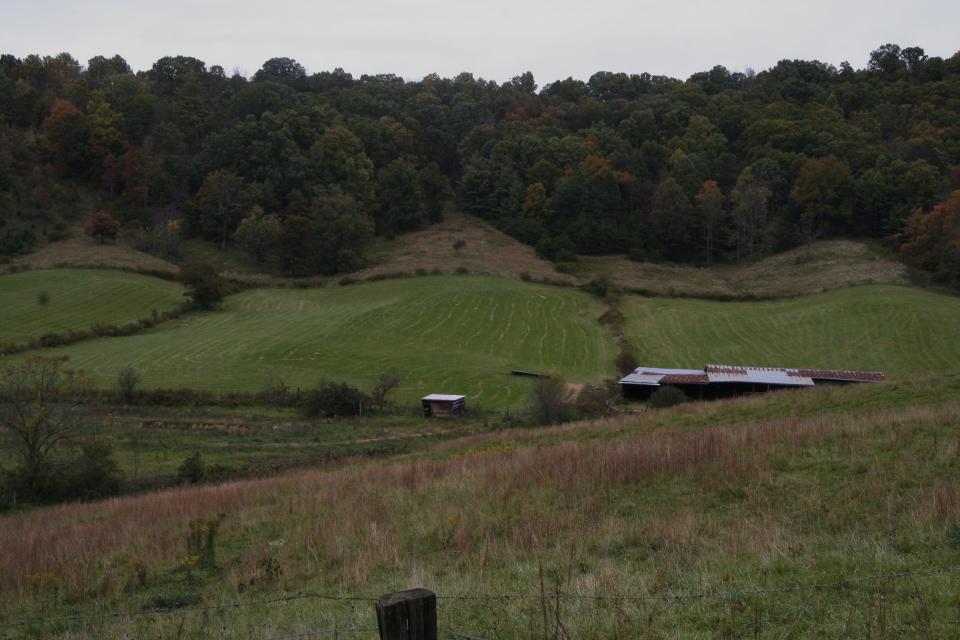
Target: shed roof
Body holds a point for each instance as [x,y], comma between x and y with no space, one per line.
[442,397]
[776,376]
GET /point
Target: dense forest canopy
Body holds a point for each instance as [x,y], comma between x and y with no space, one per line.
[305,169]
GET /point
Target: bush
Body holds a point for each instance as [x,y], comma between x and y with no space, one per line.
[557,249]
[127,381]
[462,270]
[525,276]
[331,400]
[43,298]
[205,287]
[667,396]
[598,399]
[276,394]
[192,470]
[626,363]
[598,287]
[569,268]
[547,401]
[91,476]
[638,254]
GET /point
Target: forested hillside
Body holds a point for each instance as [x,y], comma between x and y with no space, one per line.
[302,170]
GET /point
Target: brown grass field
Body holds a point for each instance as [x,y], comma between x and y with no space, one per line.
[86,252]
[830,264]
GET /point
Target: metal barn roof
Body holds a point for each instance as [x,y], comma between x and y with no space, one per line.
[725,373]
[442,397]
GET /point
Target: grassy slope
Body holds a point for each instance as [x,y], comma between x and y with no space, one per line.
[444,334]
[81,251]
[830,264]
[487,250]
[895,329]
[78,299]
[681,501]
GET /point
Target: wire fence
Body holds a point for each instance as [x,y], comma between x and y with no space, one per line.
[477,597]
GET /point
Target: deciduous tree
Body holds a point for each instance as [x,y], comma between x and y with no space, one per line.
[102,226]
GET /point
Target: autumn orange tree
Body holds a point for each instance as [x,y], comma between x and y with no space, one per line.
[932,239]
[67,132]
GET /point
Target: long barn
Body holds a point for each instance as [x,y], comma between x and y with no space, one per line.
[722,381]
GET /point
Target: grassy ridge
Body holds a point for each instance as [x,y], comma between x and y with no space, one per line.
[444,334]
[877,327]
[78,299]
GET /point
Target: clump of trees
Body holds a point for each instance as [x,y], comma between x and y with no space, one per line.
[334,400]
[931,240]
[302,169]
[205,287]
[41,410]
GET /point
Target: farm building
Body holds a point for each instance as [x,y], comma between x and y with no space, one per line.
[722,381]
[439,405]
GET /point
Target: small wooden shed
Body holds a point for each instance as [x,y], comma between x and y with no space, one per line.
[440,405]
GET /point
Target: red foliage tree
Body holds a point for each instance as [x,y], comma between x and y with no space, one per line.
[102,226]
[932,239]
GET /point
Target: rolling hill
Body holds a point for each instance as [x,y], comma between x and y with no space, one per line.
[878,327]
[444,334]
[78,299]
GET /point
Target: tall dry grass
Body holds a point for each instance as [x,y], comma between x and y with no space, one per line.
[349,524]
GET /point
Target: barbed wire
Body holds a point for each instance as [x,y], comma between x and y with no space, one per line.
[823,586]
[707,595]
[168,610]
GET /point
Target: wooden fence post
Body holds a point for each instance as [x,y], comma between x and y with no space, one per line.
[408,615]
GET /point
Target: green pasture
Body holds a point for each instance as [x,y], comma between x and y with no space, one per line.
[878,327]
[443,334]
[78,299]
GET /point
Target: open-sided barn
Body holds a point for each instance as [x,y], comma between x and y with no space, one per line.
[720,380]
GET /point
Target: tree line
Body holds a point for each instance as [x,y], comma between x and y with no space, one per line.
[302,170]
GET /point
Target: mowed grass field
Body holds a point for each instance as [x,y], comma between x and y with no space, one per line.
[895,329]
[444,334]
[78,299]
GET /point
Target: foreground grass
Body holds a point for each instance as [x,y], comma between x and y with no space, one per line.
[443,334]
[889,328]
[654,506]
[78,299]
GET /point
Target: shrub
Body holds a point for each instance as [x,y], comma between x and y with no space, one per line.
[598,287]
[347,280]
[462,270]
[205,287]
[202,540]
[667,396]
[331,400]
[597,399]
[525,276]
[626,363]
[43,298]
[459,244]
[127,381]
[192,470]
[276,394]
[637,254]
[547,403]
[567,267]
[387,382]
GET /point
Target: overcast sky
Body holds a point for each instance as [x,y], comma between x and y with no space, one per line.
[494,39]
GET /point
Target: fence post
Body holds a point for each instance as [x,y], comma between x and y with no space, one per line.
[408,615]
